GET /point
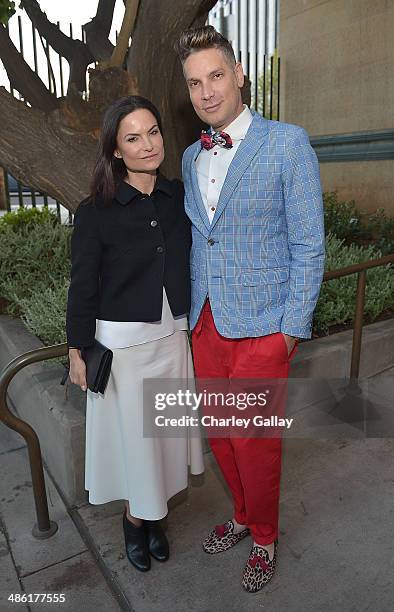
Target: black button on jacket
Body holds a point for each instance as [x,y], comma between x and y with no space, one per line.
[122,254]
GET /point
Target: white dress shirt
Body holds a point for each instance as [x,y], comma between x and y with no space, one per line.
[122,334]
[212,164]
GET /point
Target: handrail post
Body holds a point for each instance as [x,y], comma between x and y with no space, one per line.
[44,527]
[358,325]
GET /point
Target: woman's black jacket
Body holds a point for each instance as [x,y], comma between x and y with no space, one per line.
[122,254]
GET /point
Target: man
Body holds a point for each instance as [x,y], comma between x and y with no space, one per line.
[252,192]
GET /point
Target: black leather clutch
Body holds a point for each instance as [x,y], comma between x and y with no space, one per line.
[98,361]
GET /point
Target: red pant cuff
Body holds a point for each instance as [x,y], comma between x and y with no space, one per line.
[264,541]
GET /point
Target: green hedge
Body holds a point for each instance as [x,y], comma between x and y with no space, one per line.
[336,302]
[44,312]
[32,260]
[35,268]
[344,221]
[25,218]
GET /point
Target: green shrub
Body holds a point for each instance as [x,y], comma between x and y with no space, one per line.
[32,260]
[336,303]
[341,218]
[381,229]
[24,218]
[35,267]
[344,221]
[44,311]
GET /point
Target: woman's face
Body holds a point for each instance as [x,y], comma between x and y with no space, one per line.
[139,142]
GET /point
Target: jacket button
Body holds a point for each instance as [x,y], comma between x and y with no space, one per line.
[153,223]
[160,249]
[211,242]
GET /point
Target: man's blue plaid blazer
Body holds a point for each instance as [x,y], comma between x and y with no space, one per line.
[261,261]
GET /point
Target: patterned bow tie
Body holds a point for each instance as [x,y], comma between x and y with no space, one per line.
[208,141]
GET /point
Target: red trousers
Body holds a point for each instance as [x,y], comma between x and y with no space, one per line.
[250,466]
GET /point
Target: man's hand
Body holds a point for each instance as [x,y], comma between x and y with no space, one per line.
[290,341]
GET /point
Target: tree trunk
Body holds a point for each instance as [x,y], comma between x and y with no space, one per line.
[42,153]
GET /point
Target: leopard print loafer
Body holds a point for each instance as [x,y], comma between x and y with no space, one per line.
[222,537]
[258,569]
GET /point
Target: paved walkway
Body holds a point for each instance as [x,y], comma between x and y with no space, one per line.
[336,548]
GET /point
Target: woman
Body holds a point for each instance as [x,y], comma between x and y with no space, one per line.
[130,290]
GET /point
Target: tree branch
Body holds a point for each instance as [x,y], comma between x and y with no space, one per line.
[97,31]
[22,77]
[104,14]
[126,30]
[75,51]
[61,43]
[62,165]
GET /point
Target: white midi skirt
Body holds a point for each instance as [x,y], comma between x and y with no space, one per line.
[122,464]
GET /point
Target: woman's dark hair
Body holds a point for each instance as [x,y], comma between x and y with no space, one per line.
[109,170]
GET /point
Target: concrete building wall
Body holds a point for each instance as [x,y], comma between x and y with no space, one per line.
[337,76]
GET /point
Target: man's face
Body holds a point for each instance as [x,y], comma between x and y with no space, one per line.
[214,87]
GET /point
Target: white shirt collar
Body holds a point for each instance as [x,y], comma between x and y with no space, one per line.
[237,129]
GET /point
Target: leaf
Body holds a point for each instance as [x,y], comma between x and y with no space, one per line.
[7,9]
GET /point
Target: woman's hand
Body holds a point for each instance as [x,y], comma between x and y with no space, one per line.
[77,368]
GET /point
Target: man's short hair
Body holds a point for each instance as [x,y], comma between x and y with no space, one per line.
[205,37]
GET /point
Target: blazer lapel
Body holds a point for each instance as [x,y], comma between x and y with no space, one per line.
[195,187]
[253,141]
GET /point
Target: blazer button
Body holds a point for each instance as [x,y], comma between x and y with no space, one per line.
[153,223]
[211,241]
[160,249]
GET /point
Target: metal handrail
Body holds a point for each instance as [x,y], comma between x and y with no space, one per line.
[361,270]
[46,528]
[371,263]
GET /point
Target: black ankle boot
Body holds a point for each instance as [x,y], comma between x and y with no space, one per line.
[136,545]
[157,541]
